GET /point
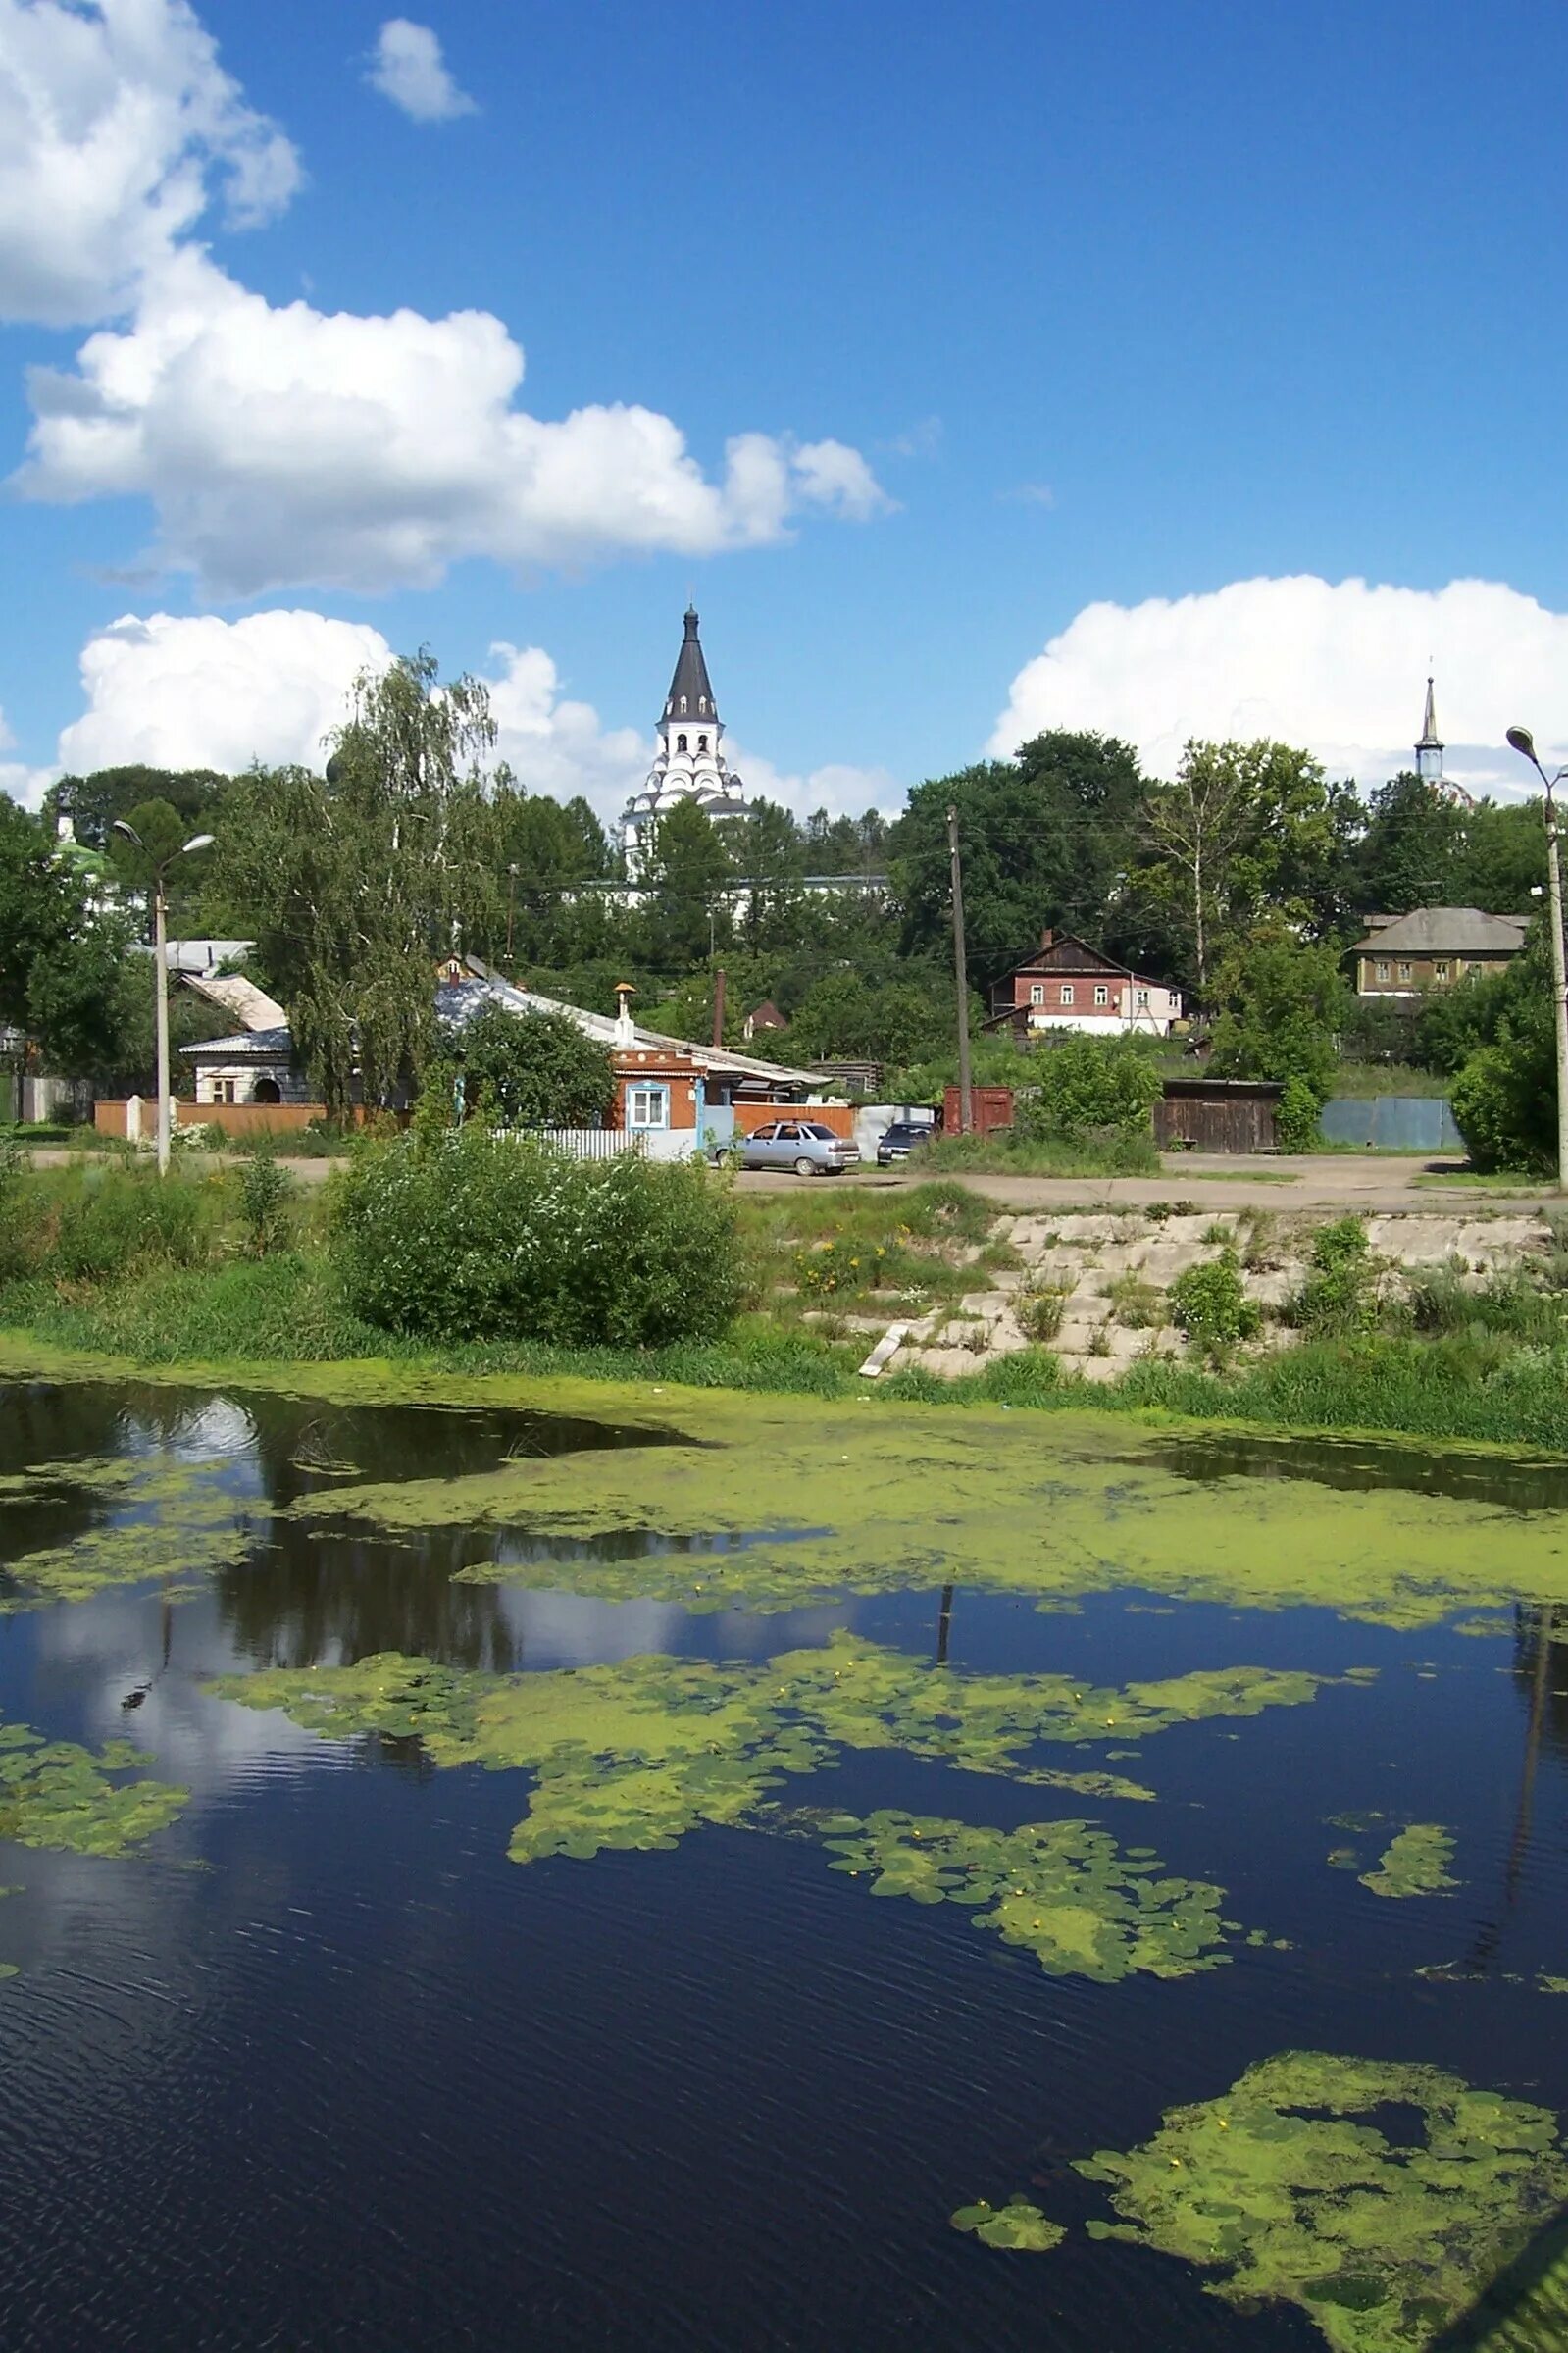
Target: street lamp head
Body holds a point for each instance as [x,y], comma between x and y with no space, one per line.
[196,842]
[120,826]
[1520,738]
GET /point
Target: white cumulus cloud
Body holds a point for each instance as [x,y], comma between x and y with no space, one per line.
[839,786]
[284,446]
[408,68]
[195,691]
[115,115]
[556,745]
[1338,667]
[198,692]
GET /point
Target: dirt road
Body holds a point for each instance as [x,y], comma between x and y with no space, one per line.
[1339,1183]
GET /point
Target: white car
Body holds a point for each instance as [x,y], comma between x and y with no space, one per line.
[806,1145]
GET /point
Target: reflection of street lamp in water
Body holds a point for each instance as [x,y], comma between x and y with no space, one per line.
[160,869]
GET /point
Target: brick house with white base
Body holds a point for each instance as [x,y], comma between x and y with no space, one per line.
[1068,985]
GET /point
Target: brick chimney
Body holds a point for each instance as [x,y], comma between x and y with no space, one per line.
[1046,936]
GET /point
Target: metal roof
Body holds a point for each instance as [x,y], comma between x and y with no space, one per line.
[690,679]
[246,1046]
[1446,931]
[458,1002]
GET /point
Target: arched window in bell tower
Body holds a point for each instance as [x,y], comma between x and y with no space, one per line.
[702,742]
[679,742]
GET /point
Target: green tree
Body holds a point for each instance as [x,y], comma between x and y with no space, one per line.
[41,907]
[1504,860]
[1281,1004]
[1245,830]
[93,802]
[1505,1096]
[540,1068]
[686,874]
[896,1021]
[1412,852]
[1045,839]
[357,882]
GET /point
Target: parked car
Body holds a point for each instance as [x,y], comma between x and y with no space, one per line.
[806,1145]
[897,1142]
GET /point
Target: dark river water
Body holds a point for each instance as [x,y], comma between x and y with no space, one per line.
[315,2062]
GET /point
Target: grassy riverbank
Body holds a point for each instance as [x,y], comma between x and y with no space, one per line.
[192,1291]
[286,1311]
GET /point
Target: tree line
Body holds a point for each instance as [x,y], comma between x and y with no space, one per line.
[409,842]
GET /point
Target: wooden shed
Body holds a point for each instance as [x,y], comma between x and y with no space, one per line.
[1218,1115]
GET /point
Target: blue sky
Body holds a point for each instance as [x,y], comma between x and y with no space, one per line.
[1114,305]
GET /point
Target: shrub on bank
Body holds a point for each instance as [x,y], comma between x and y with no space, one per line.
[463,1234]
[105,1220]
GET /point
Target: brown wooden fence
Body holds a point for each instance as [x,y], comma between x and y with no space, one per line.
[235,1119]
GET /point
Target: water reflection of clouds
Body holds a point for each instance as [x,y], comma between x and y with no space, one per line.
[115,1647]
[556,1629]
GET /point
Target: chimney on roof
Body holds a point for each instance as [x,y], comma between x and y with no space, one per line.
[1046,936]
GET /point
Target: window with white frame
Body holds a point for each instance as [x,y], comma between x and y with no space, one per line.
[647,1106]
[1383,970]
[1036,993]
[1439,970]
[1067,993]
[1404,972]
[1142,1001]
[1102,995]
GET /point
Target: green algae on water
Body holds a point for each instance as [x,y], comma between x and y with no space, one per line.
[1065,1891]
[55,1794]
[1017,2226]
[635,1754]
[161,1519]
[1416,1863]
[794,1500]
[1288,2182]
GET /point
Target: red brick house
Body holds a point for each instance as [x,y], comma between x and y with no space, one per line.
[1068,985]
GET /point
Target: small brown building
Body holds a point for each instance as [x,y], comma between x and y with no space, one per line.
[1433,947]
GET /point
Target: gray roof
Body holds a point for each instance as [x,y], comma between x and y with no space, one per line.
[458,1002]
[691,678]
[1447,931]
[246,1046]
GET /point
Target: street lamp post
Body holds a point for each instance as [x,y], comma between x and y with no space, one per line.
[1521,741]
[161,968]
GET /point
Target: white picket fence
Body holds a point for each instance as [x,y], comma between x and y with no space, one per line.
[606,1144]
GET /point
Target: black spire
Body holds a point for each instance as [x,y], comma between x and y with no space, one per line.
[690,693]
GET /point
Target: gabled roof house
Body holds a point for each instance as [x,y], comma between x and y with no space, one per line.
[1068,985]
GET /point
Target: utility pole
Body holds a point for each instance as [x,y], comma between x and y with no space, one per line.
[718,1007]
[1521,741]
[966,1092]
[511,901]
[161,967]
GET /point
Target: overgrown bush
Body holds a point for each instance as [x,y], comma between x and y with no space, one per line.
[1085,1088]
[1337,1295]
[539,1069]
[464,1235]
[1209,1303]
[1295,1119]
[1505,1096]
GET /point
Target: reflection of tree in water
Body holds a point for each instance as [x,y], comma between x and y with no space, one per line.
[41,1423]
[313,1596]
[1541,1670]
